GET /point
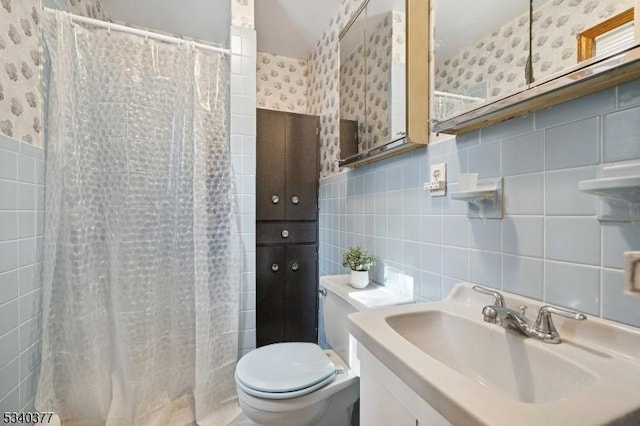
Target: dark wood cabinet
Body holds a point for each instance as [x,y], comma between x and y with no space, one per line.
[287,172]
[287,166]
[270,163]
[286,293]
[270,265]
[300,306]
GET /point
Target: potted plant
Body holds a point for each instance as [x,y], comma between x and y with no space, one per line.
[359,261]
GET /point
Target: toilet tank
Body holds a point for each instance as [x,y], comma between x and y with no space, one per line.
[340,300]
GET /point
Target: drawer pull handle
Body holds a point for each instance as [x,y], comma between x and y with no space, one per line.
[284,233]
[275,267]
[295,200]
[295,266]
[275,199]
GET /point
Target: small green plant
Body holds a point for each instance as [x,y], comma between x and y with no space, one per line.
[358,259]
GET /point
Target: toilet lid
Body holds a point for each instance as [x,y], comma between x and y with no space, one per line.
[284,367]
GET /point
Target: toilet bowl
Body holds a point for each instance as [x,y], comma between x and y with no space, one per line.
[327,402]
[300,384]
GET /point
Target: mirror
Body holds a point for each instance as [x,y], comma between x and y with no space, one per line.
[561,27]
[478,56]
[374,108]
[352,87]
[481,58]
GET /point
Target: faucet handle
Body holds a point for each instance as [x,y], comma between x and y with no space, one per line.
[544,323]
[499,299]
[523,309]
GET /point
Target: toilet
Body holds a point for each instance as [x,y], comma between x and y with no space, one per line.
[299,384]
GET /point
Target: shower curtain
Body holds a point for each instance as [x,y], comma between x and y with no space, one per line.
[141,271]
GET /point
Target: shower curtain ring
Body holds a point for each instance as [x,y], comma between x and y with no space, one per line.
[109,28]
[146,36]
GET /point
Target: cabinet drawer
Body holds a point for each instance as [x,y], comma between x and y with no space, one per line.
[286,232]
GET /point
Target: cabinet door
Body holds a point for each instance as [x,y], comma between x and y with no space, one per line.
[378,407]
[270,276]
[301,294]
[270,165]
[302,167]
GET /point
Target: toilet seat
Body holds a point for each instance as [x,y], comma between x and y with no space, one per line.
[284,370]
[286,395]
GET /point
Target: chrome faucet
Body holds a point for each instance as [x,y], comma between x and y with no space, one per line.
[543,329]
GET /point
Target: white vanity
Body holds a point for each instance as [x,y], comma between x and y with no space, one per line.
[442,364]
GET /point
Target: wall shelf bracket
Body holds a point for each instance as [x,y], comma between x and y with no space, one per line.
[619,191]
[485,200]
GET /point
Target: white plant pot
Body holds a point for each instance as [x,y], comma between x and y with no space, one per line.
[359,279]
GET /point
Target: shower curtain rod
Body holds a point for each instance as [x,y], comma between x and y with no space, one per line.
[137,31]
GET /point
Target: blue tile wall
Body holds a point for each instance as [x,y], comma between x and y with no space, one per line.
[549,246]
[21,235]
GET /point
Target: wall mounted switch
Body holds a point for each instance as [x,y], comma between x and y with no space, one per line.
[437,185]
[632,272]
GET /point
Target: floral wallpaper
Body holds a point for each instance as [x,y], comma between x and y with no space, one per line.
[90,8]
[20,73]
[242,13]
[500,57]
[399,35]
[282,83]
[20,62]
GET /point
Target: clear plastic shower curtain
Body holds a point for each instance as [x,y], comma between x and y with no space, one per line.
[141,272]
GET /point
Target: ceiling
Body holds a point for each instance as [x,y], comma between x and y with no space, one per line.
[284,27]
[292,27]
[207,20]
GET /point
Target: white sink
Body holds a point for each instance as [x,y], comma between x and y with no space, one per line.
[501,361]
[477,373]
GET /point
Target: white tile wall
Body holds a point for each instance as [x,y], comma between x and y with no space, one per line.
[243,149]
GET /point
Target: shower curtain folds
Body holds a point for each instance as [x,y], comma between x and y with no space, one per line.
[141,271]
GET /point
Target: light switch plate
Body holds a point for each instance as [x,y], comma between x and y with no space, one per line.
[437,184]
[632,272]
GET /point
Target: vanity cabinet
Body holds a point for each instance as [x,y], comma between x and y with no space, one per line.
[287,172]
[385,399]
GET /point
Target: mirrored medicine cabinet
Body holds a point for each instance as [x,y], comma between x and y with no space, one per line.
[498,59]
[384,80]
[412,69]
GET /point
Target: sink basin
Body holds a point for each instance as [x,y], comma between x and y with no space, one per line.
[474,373]
[503,361]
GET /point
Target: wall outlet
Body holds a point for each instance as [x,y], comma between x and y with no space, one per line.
[437,185]
[632,272]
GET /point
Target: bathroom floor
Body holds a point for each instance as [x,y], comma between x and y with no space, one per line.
[241,420]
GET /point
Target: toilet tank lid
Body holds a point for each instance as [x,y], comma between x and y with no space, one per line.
[371,297]
[284,367]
